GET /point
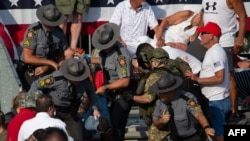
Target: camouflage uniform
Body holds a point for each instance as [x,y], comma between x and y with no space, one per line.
[146,110]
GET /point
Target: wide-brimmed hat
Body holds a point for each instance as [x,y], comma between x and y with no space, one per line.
[50,15]
[211,28]
[166,83]
[74,69]
[105,36]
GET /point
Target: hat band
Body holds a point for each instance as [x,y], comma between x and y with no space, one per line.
[167,86]
[78,73]
[52,19]
[106,35]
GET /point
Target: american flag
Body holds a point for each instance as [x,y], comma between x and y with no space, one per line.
[16,15]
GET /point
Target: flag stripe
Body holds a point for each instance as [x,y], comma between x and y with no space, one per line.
[7,40]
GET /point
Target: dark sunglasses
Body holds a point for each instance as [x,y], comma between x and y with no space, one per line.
[202,33]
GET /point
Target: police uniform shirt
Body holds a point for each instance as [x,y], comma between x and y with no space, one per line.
[87,86]
[58,89]
[184,113]
[118,66]
[36,38]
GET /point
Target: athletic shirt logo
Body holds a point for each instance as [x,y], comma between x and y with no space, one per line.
[213,6]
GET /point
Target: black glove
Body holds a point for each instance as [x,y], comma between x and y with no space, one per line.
[128,97]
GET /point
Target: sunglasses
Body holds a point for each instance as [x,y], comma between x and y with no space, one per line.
[202,33]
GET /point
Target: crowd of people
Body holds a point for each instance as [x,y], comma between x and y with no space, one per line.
[180,97]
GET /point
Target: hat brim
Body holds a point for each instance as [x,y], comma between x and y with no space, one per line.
[65,73]
[39,14]
[154,87]
[95,37]
[201,29]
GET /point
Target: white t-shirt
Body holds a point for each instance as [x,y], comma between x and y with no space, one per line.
[41,121]
[215,59]
[133,24]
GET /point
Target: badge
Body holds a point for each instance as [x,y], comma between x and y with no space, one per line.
[30,34]
[26,43]
[122,61]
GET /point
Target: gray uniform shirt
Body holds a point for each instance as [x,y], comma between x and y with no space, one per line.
[36,38]
[183,113]
[60,89]
[118,66]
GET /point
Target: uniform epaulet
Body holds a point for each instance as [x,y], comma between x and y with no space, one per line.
[38,26]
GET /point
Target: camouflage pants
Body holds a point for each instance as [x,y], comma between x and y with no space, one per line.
[154,134]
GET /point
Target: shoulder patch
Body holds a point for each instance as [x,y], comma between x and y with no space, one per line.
[48,81]
[31,33]
[124,71]
[41,83]
[122,61]
[193,104]
[26,43]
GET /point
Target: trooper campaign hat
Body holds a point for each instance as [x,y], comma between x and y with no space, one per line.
[105,36]
[50,15]
[74,69]
[166,83]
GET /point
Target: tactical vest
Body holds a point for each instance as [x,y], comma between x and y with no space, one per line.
[176,67]
[146,110]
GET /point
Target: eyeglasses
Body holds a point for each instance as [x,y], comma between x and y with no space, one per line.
[202,33]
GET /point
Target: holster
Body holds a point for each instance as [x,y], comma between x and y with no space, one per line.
[115,95]
[21,67]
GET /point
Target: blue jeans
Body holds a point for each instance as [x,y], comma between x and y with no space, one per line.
[217,114]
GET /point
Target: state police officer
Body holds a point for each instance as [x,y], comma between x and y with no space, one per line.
[176,110]
[66,86]
[116,65]
[43,45]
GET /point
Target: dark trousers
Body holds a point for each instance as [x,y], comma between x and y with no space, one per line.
[74,127]
[195,137]
[119,112]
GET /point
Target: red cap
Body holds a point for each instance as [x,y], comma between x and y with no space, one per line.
[211,28]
